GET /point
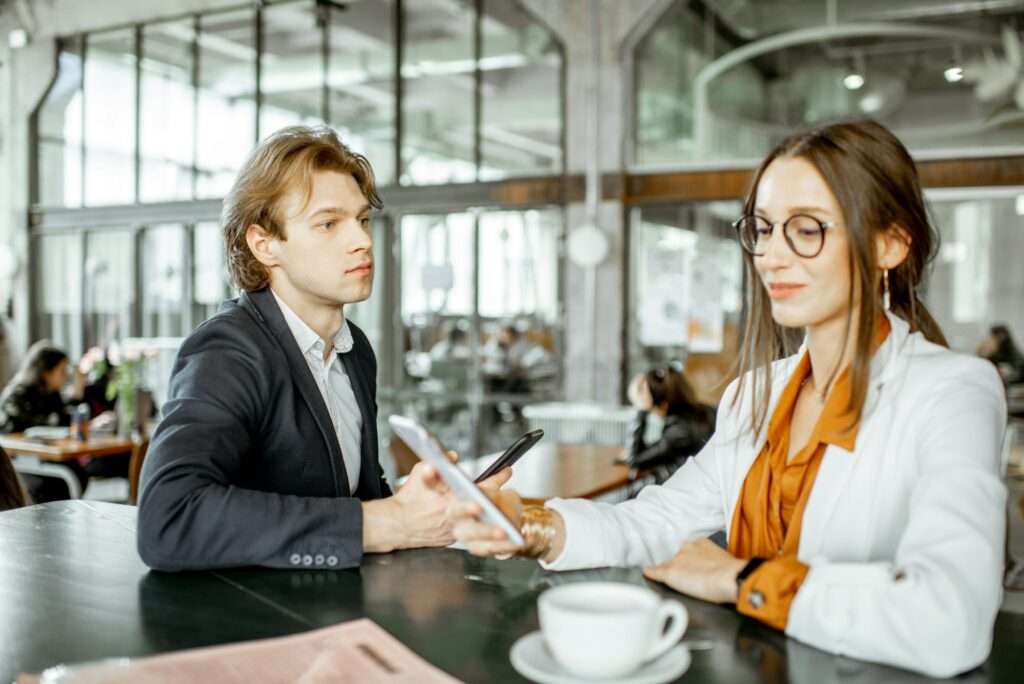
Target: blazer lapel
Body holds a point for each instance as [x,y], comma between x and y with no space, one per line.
[838,463]
[265,306]
[369,482]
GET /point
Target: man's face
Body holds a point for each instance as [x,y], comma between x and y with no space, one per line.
[328,254]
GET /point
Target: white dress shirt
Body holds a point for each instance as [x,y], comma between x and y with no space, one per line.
[334,385]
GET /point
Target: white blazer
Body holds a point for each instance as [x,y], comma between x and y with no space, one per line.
[904,536]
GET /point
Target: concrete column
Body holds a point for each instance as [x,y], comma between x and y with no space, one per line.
[594,352]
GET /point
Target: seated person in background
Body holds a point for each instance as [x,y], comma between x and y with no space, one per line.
[33,397]
[687,424]
[1001,350]
[453,345]
[11,493]
[859,478]
[267,450]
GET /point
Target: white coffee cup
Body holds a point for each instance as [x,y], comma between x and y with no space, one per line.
[608,629]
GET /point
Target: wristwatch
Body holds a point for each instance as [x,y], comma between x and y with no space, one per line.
[748,569]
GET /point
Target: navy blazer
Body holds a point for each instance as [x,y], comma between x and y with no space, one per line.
[245,467]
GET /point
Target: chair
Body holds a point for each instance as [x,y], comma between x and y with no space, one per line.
[139,449]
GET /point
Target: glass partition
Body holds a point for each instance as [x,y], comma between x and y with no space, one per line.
[210,283]
[361,81]
[291,67]
[976,282]
[163,281]
[708,90]
[58,279]
[438,84]
[167,145]
[109,91]
[109,286]
[226,115]
[59,132]
[520,64]
[685,285]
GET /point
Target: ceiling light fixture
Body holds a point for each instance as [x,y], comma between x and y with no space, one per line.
[855,79]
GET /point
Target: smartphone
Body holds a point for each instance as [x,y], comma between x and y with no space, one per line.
[414,434]
[512,454]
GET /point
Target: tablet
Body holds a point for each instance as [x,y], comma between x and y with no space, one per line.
[413,434]
[512,454]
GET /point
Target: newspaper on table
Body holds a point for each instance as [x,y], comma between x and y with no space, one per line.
[357,651]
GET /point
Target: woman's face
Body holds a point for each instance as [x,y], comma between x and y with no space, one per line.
[804,292]
[56,377]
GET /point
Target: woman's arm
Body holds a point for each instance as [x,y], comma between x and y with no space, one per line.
[932,607]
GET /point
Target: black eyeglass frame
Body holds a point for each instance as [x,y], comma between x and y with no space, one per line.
[823,226]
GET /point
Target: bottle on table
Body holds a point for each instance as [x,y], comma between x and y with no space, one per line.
[80,422]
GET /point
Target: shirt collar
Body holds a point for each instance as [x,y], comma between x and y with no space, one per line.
[306,337]
[835,424]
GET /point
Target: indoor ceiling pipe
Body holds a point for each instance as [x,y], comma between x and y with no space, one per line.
[814,34]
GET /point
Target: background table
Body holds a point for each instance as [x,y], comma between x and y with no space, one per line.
[46,457]
[568,471]
[73,588]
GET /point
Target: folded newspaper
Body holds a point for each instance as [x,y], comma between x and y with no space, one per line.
[357,651]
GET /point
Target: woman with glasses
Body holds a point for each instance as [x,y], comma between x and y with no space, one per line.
[857,477]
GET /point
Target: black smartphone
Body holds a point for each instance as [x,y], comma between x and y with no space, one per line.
[512,454]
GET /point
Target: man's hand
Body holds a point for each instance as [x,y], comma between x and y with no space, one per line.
[416,516]
[702,570]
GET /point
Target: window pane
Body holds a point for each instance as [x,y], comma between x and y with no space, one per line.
[437,301]
[163,281]
[686,275]
[915,78]
[110,118]
[109,286]
[518,301]
[167,114]
[521,71]
[437,266]
[976,281]
[362,82]
[291,75]
[210,285]
[58,284]
[60,132]
[437,107]
[226,122]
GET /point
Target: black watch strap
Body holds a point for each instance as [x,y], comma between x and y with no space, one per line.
[748,569]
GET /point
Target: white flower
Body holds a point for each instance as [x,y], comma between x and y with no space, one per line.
[114,354]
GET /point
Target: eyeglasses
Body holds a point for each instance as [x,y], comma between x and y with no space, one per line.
[804,234]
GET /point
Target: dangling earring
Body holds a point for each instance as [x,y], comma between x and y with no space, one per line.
[886,299]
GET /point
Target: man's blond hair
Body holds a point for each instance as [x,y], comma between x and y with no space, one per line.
[284,161]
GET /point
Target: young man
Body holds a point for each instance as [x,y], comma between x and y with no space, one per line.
[267,451]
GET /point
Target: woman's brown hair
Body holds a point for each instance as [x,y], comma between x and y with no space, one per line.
[285,160]
[669,386]
[875,181]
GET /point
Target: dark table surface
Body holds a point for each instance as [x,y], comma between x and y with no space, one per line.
[73,588]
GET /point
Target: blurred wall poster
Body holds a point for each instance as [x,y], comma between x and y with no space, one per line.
[665,292]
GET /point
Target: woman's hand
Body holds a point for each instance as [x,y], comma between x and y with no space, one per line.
[702,570]
[481,538]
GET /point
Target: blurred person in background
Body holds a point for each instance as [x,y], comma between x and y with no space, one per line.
[665,393]
[33,397]
[12,495]
[1000,348]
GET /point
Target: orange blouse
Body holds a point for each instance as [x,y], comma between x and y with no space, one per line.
[768,519]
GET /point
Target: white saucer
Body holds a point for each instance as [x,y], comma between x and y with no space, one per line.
[532,659]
